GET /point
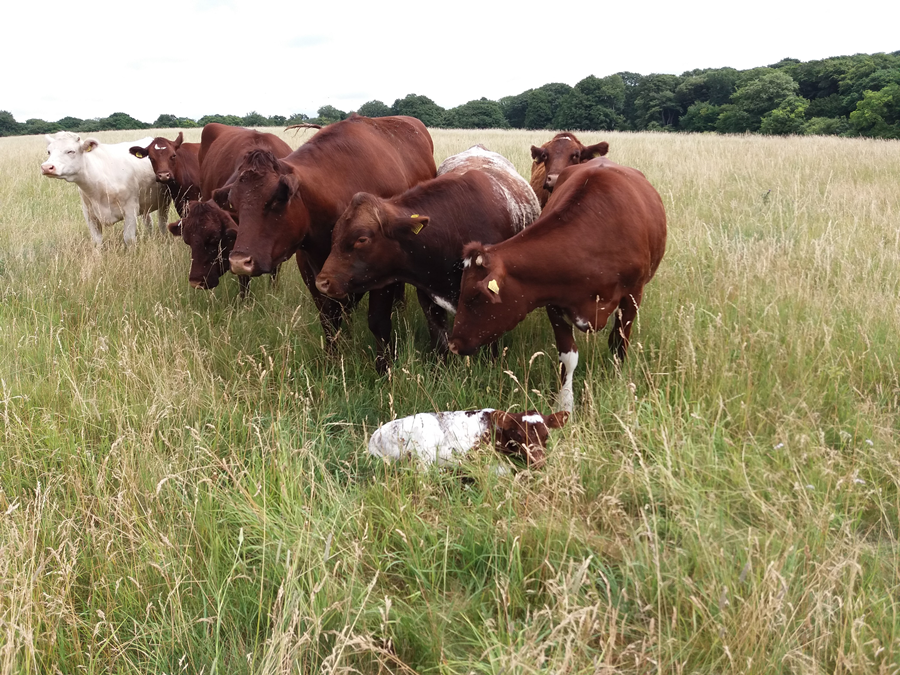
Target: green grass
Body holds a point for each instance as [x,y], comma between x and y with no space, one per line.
[184,485]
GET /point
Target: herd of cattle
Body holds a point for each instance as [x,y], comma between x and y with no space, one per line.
[365,210]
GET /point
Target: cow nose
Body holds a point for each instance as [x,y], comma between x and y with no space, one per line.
[48,168]
[197,284]
[323,284]
[241,264]
[550,182]
[163,177]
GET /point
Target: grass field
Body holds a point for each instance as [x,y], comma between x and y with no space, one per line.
[184,486]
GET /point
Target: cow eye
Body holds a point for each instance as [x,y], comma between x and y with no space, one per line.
[362,241]
[70,152]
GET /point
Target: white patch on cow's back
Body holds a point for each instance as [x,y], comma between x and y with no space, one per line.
[431,437]
[444,304]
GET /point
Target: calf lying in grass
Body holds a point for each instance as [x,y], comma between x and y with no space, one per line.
[445,437]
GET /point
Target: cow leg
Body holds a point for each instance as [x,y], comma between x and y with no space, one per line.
[626,313]
[330,311]
[95,229]
[381,301]
[244,285]
[436,316]
[162,213]
[568,357]
[131,217]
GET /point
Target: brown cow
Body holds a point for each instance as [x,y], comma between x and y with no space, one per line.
[561,151]
[291,204]
[206,228]
[418,237]
[176,165]
[597,243]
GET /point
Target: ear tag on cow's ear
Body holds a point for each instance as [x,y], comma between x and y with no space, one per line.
[417,227]
[137,154]
[89,148]
[493,286]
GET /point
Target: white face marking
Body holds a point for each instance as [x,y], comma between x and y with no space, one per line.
[444,304]
[467,263]
[569,361]
[157,147]
[533,419]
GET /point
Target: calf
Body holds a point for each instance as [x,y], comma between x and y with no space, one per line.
[209,230]
[418,237]
[113,185]
[292,204]
[176,165]
[445,437]
[597,243]
[561,151]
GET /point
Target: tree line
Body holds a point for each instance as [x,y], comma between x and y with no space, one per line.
[855,95]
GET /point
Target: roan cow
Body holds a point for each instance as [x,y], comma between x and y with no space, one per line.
[113,185]
[418,237]
[597,243]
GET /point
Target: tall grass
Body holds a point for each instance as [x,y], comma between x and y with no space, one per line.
[184,485]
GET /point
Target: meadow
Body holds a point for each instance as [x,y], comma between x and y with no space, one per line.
[184,486]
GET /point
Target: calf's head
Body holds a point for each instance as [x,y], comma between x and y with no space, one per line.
[265,198]
[65,155]
[525,434]
[163,155]
[210,232]
[490,303]
[561,151]
[366,246]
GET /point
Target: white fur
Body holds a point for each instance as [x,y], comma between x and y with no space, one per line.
[533,419]
[114,185]
[156,147]
[569,360]
[444,304]
[432,438]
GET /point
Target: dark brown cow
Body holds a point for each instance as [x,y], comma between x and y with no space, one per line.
[561,151]
[176,165]
[206,228]
[597,243]
[291,204]
[418,237]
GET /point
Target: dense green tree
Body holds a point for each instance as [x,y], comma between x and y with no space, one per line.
[758,97]
[833,105]
[700,116]
[277,121]
[122,121]
[297,118]
[878,113]
[420,107]
[231,120]
[733,120]
[8,124]
[515,108]
[607,92]
[254,119]
[374,108]
[480,114]
[70,123]
[165,122]
[788,118]
[655,103]
[826,126]
[36,126]
[328,114]
[577,111]
[540,110]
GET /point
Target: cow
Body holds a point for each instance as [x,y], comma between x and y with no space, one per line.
[291,205]
[418,237]
[598,241]
[176,165]
[561,151]
[444,438]
[209,230]
[113,185]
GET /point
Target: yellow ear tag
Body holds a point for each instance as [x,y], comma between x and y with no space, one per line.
[138,155]
[418,226]
[493,286]
[89,148]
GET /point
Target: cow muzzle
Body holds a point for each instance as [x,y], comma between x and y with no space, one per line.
[164,177]
[48,170]
[550,182]
[244,265]
[328,287]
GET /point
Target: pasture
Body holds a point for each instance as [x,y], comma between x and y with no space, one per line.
[184,486]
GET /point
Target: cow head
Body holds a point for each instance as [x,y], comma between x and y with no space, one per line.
[525,434]
[210,232]
[163,155]
[366,246]
[561,151]
[65,155]
[265,198]
[490,303]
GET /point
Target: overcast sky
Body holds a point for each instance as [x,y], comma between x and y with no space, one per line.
[199,57]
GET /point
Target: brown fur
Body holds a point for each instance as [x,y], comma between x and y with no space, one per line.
[177,166]
[561,151]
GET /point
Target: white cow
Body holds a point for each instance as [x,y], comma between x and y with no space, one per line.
[114,184]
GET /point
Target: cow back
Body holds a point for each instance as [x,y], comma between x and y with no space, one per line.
[222,148]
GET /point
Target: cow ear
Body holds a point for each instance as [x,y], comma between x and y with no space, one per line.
[175,228]
[287,187]
[557,420]
[414,224]
[139,152]
[474,255]
[502,420]
[594,151]
[490,287]
[537,154]
[179,139]
[222,196]
[90,144]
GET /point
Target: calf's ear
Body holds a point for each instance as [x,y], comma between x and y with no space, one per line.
[139,152]
[557,420]
[179,139]
[175,228]
[594,151]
